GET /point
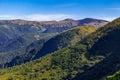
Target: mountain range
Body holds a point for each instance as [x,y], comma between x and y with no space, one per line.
[70,49]
[92,57]
[18,36]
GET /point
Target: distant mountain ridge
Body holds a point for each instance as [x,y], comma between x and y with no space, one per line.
[56,26]
[14,29]
[17,35]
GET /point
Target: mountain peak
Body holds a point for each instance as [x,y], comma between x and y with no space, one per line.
[68,19]
[88,18]
[93,19]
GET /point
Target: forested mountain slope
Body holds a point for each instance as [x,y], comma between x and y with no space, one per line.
[16,36]
[37,50]
[67,38]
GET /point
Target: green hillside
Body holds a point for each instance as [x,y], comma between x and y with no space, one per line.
[67,38]
[94,58]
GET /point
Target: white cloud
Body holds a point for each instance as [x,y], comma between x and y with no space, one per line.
[47,17]
[107,18]
[37,17]
[7,17]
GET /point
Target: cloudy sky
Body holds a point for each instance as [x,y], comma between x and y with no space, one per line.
[43,10]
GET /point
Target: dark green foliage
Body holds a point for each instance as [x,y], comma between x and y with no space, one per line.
[58,42]
[68,38]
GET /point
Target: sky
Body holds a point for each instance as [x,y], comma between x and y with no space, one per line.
[45,10]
